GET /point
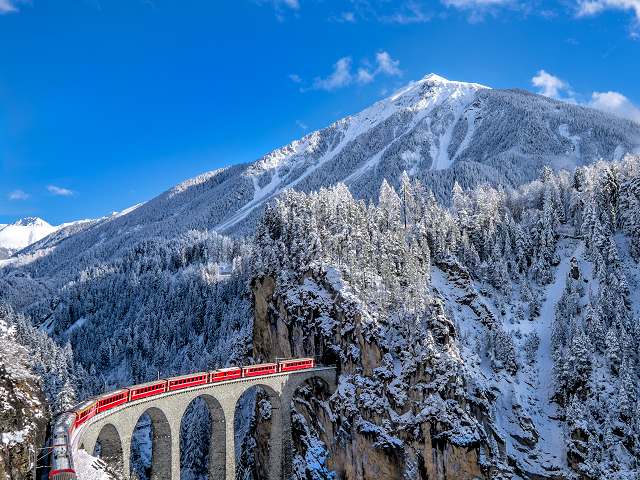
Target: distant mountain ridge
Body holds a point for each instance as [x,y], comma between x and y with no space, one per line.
[439,131]
[22,233]
[30,222]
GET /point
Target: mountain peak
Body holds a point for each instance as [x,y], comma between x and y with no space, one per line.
[31,222]
[435,78]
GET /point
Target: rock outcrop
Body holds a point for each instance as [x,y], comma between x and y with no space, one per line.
[403,408]
[23,415]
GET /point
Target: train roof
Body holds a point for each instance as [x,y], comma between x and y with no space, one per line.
[228,369]
[112,393]
[261,365]
[83,405]
[296,359]
[187,376]
[146,384]
[64,422]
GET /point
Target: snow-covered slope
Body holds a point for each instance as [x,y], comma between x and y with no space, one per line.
[24,232]
[439,131]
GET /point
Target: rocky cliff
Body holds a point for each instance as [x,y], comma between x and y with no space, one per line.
[404,407]
[23,418]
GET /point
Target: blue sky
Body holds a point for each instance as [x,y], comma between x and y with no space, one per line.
[107,103]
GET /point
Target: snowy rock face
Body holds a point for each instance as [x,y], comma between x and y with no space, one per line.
[22,407]
[401,408]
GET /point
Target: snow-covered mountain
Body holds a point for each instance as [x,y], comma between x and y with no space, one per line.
[23,233]
[439,131]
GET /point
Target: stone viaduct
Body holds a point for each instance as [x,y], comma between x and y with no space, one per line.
[115,427]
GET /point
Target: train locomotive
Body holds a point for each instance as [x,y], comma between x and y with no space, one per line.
[61,460]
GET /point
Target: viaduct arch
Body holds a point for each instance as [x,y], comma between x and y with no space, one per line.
[115,427]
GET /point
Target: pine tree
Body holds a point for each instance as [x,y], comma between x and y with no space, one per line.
[612,349]
[65,398]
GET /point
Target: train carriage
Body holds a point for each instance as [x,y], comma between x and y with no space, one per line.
[63,428]
[84,411]
[60,459]
[112,399]
[262,369]
[225,374]
[61,463]
[184,381]
[295,364]
[147,389]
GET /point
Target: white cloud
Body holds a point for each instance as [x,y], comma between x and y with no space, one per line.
[9,6]
[616,103]
[478,8]
[60,191]
[364,76]
[349,17]
[612,102]
[278,6]
[301,125]
[295,78]
[550,86]
[589,8]
[341,76]
[387,65]
[18,195]
[409,12]
[474,3]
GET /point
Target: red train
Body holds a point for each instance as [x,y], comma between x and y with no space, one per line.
[62,463]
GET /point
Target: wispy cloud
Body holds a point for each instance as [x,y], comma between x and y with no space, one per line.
[477,9]
[387,65]
[550,86]
[301,125]
[612,102]
[60,191]
[10,6]
[280,5]
[365,76]
[349,17]
[343,77]
[18,195]
[407,13]
[616,103]
[589,8]
[295,78]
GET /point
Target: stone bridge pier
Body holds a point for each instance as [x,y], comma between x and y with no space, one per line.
[115,427]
